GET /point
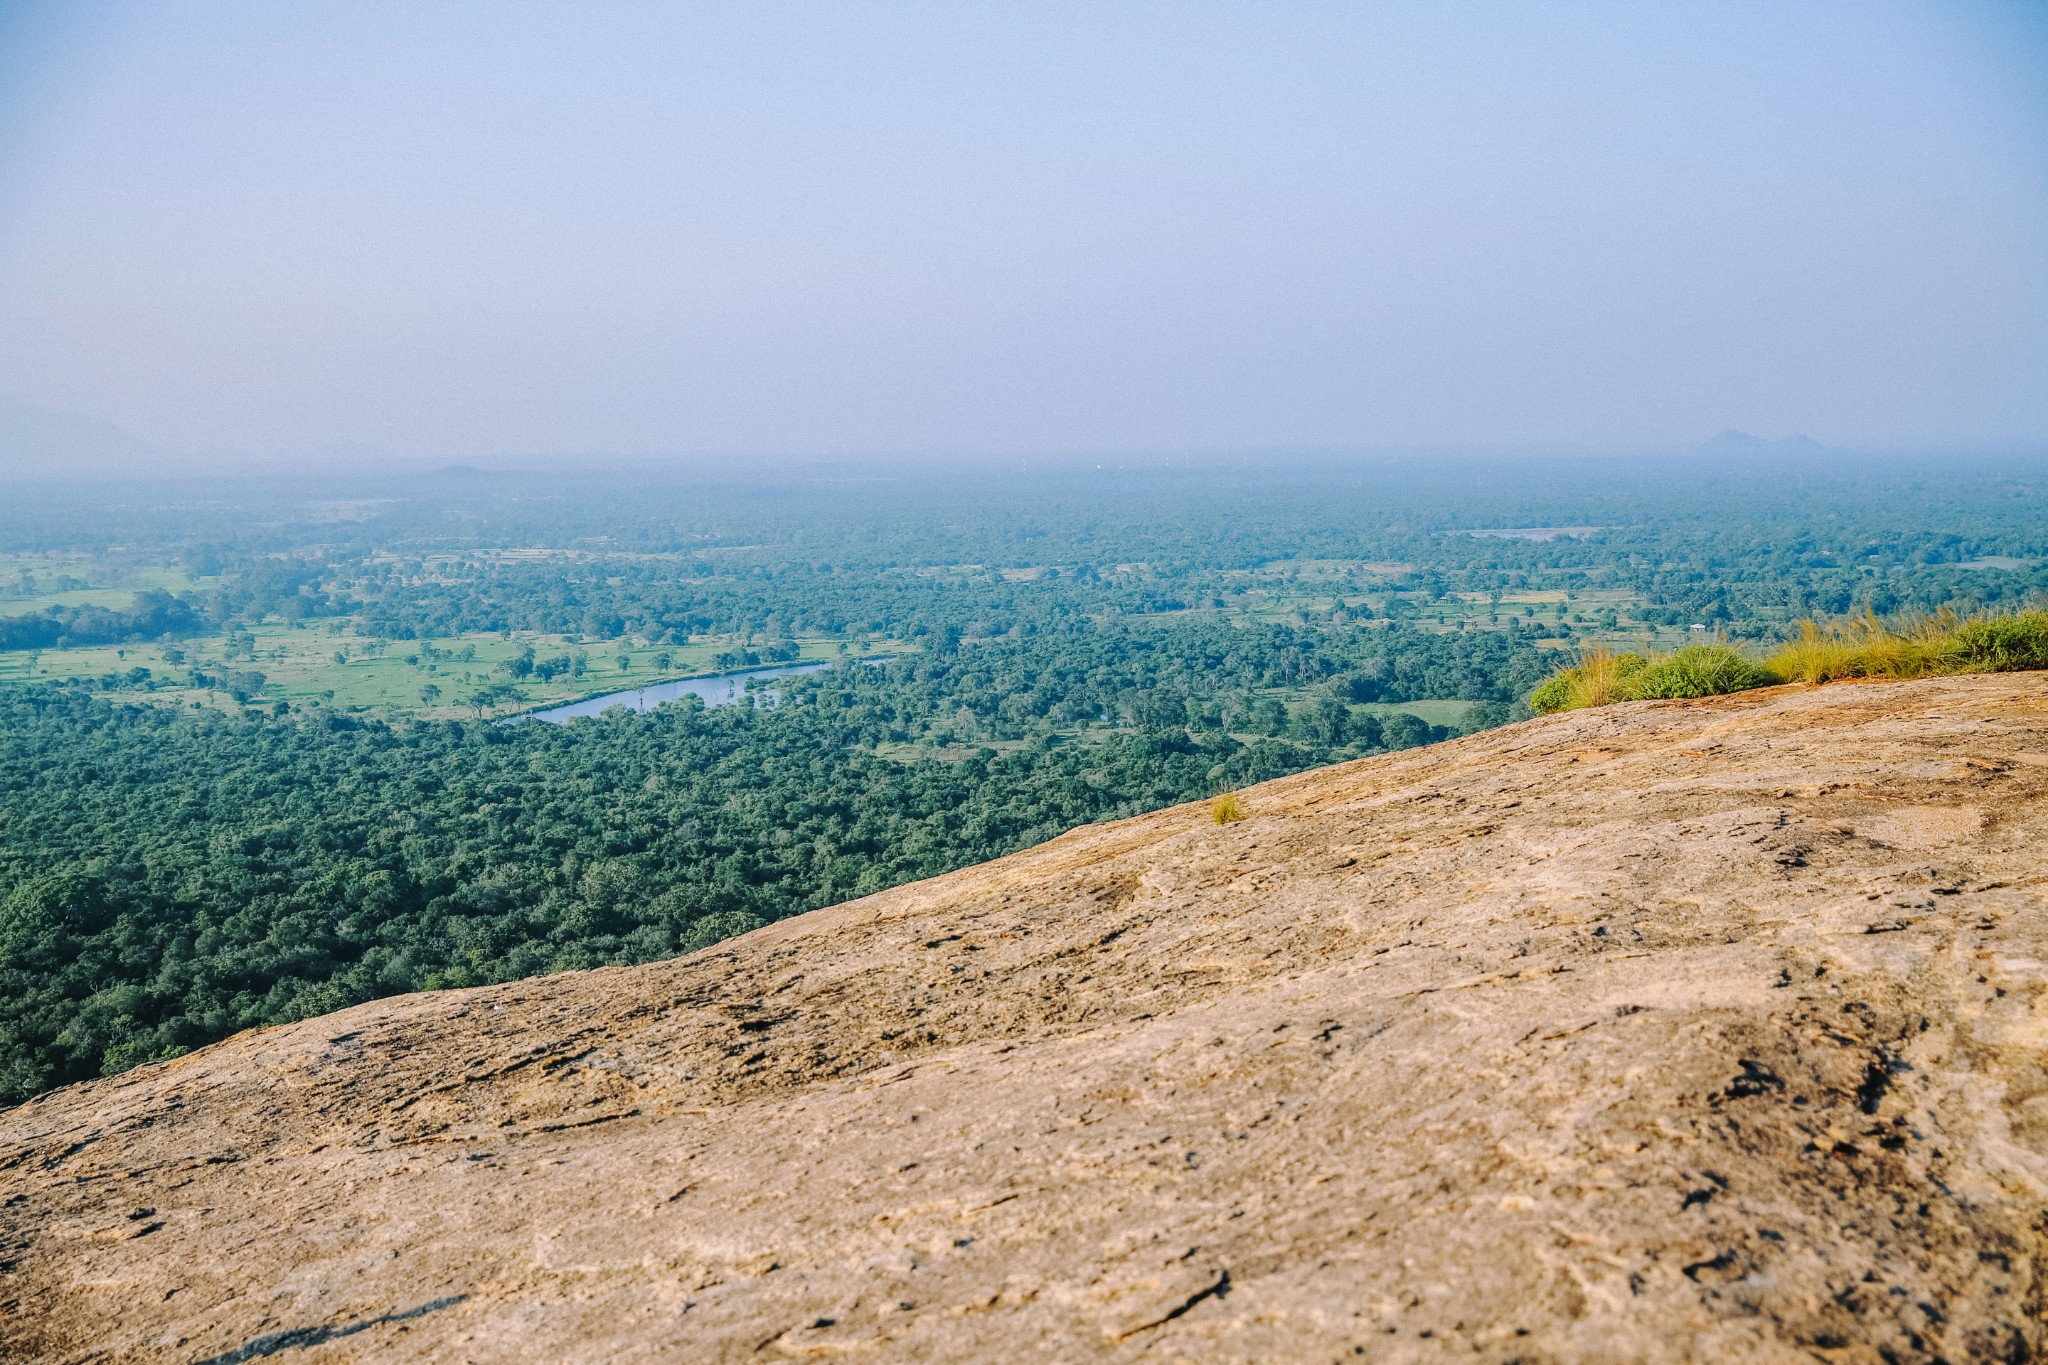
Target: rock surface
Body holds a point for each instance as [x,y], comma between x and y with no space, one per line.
[1671,1031]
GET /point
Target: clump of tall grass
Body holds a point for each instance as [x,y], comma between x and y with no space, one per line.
[1998,644]
[1865,646]
[1601,676]
[1914,647]
[1862,647]
[1701,670]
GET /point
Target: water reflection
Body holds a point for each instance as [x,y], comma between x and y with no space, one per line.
[719,689]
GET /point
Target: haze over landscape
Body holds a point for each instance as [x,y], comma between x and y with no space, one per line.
[1127,682]
[472,231]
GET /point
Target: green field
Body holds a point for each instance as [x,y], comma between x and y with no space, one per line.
[1451,713]
[30,583]
[345,670]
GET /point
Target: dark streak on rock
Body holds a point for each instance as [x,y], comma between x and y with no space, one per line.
[298,1338]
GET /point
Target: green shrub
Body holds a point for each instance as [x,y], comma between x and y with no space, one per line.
[1697,671]
[1553,694]
[1996,644]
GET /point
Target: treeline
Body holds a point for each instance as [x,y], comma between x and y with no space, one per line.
[1209,678]
[151,616]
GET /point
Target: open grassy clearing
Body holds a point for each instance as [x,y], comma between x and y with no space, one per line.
[908,753]
[30,583]
[1447,713]
[345,670]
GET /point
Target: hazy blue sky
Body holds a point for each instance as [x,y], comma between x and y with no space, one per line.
[450,230]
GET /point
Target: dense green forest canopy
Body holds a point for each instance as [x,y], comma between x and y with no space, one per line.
[202,832]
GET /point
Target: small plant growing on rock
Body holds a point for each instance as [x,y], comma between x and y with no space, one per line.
[1226,809]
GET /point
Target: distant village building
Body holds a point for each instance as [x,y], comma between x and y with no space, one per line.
[1698,628]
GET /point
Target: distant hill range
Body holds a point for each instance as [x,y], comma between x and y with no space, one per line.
[44,443]
[1732,442]
[1671,1031]
[39,444]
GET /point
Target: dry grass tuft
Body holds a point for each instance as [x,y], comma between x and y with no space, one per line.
[1226,809]
[1862,647]
[1602,676]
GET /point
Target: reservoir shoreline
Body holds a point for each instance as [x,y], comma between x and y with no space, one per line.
[716,689]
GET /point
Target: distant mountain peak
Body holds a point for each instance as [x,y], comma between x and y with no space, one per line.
[1732,441]
[49,443]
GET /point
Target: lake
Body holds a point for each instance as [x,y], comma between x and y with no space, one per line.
[717,689]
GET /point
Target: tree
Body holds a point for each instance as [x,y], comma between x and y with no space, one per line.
[1484,715]
[1405,730]
[1325,721]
